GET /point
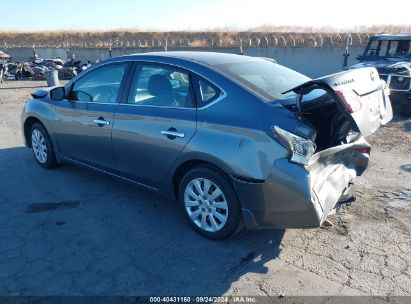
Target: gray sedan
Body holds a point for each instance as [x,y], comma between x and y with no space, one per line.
[236,140]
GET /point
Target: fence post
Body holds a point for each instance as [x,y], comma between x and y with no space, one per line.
[346,53]
[241,47]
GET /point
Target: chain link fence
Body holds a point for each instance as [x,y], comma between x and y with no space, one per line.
[175,40]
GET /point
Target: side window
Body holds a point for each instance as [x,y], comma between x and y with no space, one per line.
[373,48]
[392,49]
[101,85]
[383,48]
[403,48]
[161,86]
[206,92]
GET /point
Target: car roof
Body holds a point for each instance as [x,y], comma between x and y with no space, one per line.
[206,58]
[392,36]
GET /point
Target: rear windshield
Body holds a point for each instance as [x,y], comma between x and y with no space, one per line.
[264,77]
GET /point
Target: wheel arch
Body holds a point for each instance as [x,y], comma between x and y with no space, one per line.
[28,123]
[187,165]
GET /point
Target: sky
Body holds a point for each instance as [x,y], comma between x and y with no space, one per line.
[170,15]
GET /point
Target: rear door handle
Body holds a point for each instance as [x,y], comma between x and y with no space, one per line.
[172,134]
[101,122]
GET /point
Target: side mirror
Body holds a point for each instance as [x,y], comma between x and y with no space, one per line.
[359,57]
[58,93]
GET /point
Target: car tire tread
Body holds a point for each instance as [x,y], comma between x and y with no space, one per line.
[51,161]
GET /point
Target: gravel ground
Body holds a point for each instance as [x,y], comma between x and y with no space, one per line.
[70,231]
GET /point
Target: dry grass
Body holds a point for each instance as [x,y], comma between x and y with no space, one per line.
[384,28]
[265,35]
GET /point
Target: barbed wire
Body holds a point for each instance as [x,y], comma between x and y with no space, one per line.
[249,40]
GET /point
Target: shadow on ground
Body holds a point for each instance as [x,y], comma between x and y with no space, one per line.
[70,231]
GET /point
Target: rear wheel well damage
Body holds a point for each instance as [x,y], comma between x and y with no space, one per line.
[183,168]
[28,123]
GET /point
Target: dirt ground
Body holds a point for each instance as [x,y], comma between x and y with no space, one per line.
[103,237]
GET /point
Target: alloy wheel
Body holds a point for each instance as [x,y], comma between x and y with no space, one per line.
[39,146]
[206,204]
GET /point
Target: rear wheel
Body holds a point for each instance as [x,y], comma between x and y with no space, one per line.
[209,202]
[42,146]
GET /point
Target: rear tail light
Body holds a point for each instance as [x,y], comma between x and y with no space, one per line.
[351,100]
[364,150]
[301,148]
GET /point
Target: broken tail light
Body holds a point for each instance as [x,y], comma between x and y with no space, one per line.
[301,148]
[351,100]
[364,150]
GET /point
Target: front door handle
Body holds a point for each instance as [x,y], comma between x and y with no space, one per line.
[101,122]
[172,133]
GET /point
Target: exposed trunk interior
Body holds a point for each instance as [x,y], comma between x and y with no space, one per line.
[329,121]
[354,100]
[331,124]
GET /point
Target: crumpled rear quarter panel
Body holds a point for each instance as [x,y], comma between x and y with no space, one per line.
[294,196]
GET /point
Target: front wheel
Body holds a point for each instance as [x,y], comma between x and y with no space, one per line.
[42,146]
[209,202]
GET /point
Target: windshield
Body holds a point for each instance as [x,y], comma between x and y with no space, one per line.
[388,48]
[264,77]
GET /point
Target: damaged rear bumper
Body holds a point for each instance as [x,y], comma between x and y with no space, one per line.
[294,196]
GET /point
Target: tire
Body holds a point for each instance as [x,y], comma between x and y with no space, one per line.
[42,146]
[213,215]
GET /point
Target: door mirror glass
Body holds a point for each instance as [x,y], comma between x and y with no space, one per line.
[57,93]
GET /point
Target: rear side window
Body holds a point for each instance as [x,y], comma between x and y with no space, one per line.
[161,86]
[206,92]
[101,85]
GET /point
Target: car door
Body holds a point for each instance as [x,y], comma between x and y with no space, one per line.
[154,123]
[360,94]
[85,116]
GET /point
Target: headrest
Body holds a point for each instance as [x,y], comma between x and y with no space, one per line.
[159,85]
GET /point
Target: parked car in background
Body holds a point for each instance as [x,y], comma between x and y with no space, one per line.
[234,139]
[391,56]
